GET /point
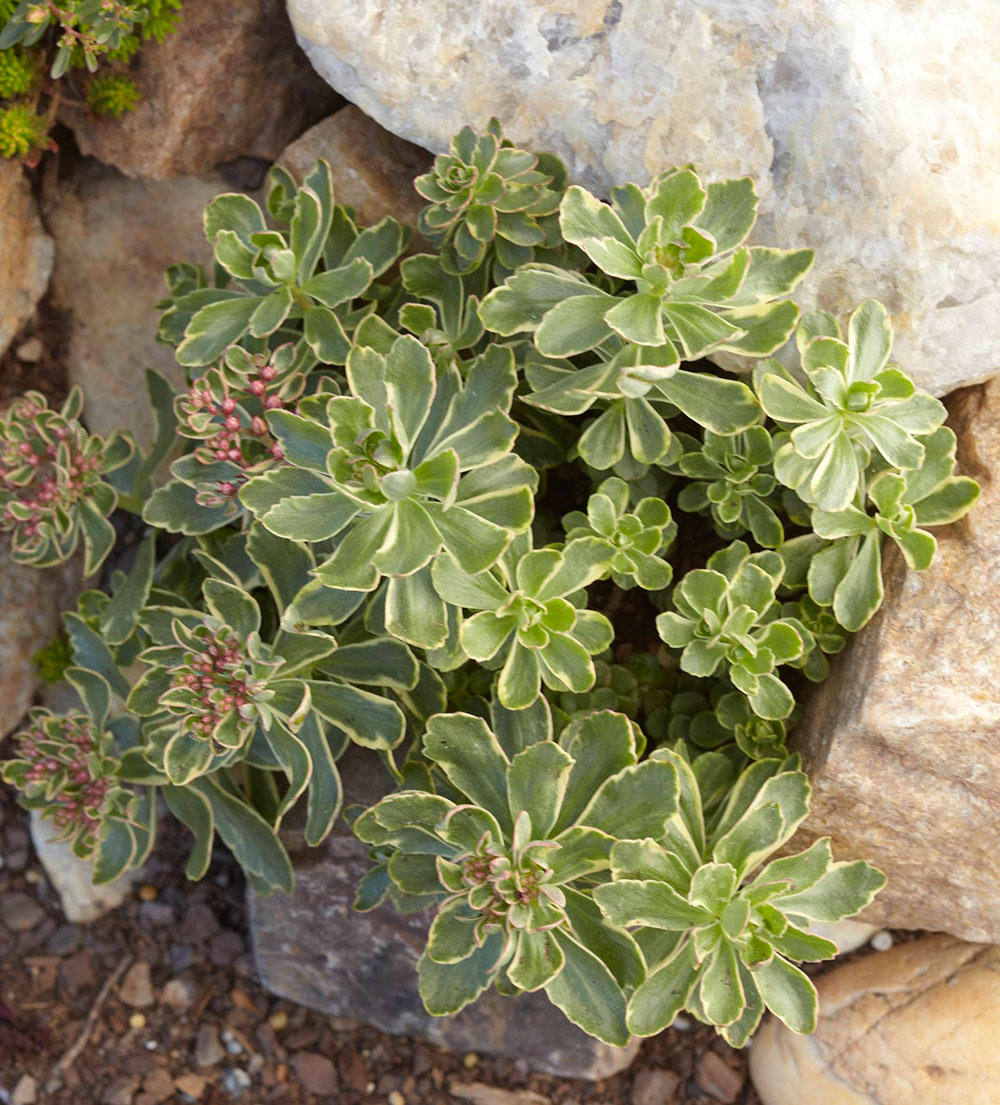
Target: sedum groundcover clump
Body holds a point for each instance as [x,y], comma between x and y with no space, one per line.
[479,504]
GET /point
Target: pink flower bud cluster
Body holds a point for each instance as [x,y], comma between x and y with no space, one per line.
[63,760]
[232,433]
[219,680]
[47,466]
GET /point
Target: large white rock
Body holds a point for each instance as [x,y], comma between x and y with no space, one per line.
[871,126]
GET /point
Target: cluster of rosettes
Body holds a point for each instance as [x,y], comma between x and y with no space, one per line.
[216,674]
[48,465]
[225,409]
[63,765]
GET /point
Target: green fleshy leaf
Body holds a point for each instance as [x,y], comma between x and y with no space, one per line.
[787,993]
[449,988]
[538,958]
[536,782]
[587,993]
[469,754]
[665,992]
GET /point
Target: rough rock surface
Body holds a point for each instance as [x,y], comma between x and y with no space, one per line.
[868,130]
[916,1024]
[31,601]
[373,170]
[72,878]
[314,949]
[115,237]
[901,743]
[229,82]
[26,251]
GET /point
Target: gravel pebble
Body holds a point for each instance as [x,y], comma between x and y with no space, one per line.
[136,989]
[25,1092]
[207,1049]
[179,993]
[20,912]
[717,1078]
[315,1072]
[654,1087]
[235,1081]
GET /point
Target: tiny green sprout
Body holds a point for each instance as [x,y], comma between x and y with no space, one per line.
[637,538]
[721,618]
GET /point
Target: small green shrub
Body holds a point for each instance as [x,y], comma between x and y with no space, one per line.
[467,510]
[112,94]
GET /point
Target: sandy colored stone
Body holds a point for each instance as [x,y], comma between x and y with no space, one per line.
[311,947]
[115,237]
[917,1024]
[871,126]
[373,170]
[229,82]
[31,601]
[26,251]
[902,743]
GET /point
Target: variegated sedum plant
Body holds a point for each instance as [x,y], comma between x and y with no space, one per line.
[488,512]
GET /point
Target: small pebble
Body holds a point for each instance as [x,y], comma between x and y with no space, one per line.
[137,987]
[137,1021]
[25,1092]
[30,350]
[20,912]
[208,1050]
[470,1059]
[235,1081]
[278,1021]
[178,993]
[233,1046]
[396,1098]
[882,941]
[147,893]
[150,1045]
[191,1086]
[654,1087]
[682,1023]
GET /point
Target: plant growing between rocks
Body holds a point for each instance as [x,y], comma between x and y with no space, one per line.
[44,46]
[489,514]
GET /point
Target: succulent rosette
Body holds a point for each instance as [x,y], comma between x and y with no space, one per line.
[53,493]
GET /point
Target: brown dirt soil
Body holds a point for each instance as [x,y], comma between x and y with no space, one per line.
[45,369]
